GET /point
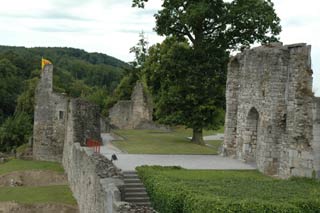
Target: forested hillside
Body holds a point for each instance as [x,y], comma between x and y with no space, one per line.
[92,76]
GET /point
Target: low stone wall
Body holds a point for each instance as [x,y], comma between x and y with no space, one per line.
[93,179]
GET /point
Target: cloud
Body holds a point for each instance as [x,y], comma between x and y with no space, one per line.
[45,15]
[53,29]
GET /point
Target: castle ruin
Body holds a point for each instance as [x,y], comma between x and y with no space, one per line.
[61,127]
[135,113]
[272,116]
[51,118]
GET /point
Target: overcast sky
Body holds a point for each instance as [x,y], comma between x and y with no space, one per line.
[113,26]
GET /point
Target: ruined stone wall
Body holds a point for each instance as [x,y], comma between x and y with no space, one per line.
[316,135]
[141,105]
[86,121]
[130,114]
[121,115]
[269,109]
[62,126]
[93,179]
[49,119]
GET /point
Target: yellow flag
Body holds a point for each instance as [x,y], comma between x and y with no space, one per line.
[44,62]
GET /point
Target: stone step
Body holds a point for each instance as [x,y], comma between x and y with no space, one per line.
[133,180]
[132,190]
[131,177]
[136,194]
[148,204]
[129,173]
[133,185]
[137,199]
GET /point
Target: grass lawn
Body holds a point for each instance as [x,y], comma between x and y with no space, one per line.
[34,194]
[220,191]
[19,165]
[40,194]
[160,142]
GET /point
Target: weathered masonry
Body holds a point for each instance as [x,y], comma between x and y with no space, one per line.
[272,116]
[50,119]
[134,113]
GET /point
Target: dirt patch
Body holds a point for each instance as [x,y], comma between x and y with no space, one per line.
[12,207]
[33,178]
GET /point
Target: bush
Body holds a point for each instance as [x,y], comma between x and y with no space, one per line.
[15,131]
[174,190]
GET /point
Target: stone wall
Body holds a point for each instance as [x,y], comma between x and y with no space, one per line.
[86,119]
[49,119]
[62,126]
[121,115]
[316,135]
[93,179]
[269,117]
[130,114]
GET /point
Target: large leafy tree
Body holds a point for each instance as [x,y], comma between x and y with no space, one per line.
[10,86]
[209,30]
[15,131]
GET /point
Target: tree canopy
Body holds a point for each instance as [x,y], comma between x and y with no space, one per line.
[191,66]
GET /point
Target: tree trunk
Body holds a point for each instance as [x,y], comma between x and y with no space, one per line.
[197,136]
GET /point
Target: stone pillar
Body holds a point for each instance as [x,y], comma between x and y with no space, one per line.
[232,90]
[141,105]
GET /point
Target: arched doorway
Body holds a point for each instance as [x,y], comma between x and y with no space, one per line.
[251,135]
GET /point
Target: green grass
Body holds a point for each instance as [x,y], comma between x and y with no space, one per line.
[219,191]
[160,142]
[20,165]
[43,194]
[34,194]
[22,148]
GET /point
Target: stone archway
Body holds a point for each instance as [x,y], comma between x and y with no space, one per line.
[251,135]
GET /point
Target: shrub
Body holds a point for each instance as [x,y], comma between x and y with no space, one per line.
[15,131]
[174,190]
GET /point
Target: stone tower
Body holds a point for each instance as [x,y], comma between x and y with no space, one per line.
[270,115]
[49,119]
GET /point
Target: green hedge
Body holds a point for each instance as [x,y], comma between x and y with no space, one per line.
[173,190]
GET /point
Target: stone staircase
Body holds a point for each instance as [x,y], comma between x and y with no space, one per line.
[134,191]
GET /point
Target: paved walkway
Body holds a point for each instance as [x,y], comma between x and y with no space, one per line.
[128,162]
[218,136]
[108,148]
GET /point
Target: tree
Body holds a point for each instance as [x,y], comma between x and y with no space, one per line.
[15,131]
[209,30]
[26,100]
[140,51]
[133,74]
[10,86]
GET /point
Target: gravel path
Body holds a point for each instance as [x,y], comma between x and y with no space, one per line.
[128,162]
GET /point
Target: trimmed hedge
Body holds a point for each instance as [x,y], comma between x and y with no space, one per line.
[175,190]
